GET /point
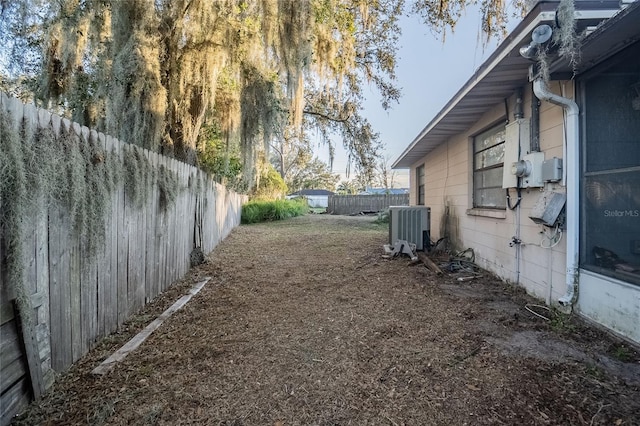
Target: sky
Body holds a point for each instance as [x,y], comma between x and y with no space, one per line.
[430,72]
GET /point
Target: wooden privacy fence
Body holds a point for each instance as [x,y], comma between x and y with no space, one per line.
[354,204]
[72,298]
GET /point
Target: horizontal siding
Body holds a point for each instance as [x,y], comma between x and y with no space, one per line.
[449,189]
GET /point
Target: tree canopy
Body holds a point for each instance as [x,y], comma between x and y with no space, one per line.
[155,73]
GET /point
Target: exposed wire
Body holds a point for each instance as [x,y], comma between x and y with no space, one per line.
[436,246]
[463,254]
[462,261]
[529,306]
[461,266]
[553,239]
[509,199]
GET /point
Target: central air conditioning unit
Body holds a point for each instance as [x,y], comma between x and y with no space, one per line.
[412,224]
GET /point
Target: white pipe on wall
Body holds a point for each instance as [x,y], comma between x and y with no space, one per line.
[572,184]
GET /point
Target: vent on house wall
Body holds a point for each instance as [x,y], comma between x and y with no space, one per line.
[410,223]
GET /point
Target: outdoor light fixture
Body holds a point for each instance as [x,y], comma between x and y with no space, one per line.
[529,51]
[540,35]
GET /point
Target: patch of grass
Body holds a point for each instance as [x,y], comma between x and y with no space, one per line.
[146,370]
[594,372]
[267,211]
[561,323]
[102,412]
[622,353]
[153,415]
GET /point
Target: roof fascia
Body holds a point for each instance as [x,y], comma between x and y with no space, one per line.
[628,16]
[543,12]
[513,40]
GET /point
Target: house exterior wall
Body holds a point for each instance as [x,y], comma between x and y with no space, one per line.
[541,271]
[449,193]
[610,302]
[605,173]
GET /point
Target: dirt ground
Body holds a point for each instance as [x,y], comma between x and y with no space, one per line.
[304,323]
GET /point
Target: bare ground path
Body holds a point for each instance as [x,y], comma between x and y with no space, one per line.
[304,323]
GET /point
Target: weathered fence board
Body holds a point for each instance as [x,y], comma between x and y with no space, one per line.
[355,204]
[10,347]
[149,234]
[111,310]
[14,399]
[6,310]
[55,290]
[42,268]
[122,249]
[32,354]
[77,295]
[11,353]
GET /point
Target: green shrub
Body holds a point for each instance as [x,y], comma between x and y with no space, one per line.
[224,164]
[382,218]
[267,211]
[271,186]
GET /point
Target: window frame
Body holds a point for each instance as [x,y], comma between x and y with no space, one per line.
[489,131]
[420,185]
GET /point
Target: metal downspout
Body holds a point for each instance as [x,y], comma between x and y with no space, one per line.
[572,185]
[535,124]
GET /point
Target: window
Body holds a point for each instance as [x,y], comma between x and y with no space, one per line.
[488,158]
[420,184]
[610,216]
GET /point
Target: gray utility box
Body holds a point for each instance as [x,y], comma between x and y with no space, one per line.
[547,208]
[552,170]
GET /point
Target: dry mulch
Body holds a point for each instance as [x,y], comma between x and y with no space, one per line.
[303,322]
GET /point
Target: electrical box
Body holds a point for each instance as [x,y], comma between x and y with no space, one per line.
[547,208]
[517,142]
[529,170]
[552,170]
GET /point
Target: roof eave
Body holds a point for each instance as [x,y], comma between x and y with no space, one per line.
[436,131]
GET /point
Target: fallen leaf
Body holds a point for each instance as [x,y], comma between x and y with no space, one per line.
[473,387]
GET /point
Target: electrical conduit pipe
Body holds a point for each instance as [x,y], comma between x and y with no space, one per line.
[572,186]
